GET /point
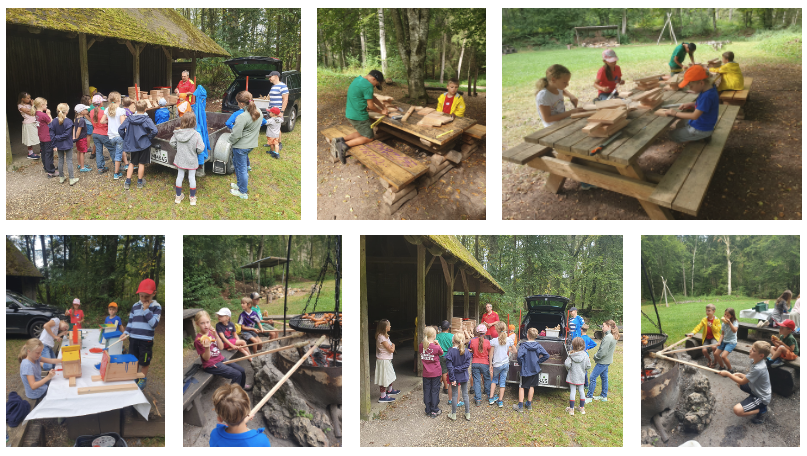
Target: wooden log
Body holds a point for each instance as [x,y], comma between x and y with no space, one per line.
[454,157]
[267,352]
[390,209]
[436,169]
[107,389]
[408,113]
[657,355]
[391,197]
[468,148]
[437,159]
[285,377]
[383,182]
[699,347]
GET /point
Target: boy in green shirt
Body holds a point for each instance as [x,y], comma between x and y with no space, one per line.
[785,347]
[446,340]
[678,56]
[360,99]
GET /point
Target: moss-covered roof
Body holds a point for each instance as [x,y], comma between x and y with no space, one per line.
[17,264]
[453,245]
[159,26]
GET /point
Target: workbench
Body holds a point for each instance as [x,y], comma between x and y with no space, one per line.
[437,139]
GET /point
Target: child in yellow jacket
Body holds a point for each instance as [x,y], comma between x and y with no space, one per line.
[711,332]
[732,76]
[451,102]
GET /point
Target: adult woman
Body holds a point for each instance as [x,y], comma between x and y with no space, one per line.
[489,319]
[244,138]
[781,307]
[795,314]
[480,364]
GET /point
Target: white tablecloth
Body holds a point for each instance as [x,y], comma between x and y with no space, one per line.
[764,315]
[62,401]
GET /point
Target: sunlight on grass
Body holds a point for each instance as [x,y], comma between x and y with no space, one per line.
[296,302]
[678,319]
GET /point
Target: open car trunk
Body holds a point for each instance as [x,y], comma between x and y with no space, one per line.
[541,321]
[553,371]
[259,86]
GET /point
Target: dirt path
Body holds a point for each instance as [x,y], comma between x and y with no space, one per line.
[349,192]
[759,175]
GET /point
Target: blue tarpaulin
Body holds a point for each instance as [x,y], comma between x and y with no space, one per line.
[201,120]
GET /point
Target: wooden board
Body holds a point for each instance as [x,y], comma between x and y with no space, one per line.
[72,382]
[646,94]
[609,116]
[477,131]
[546,131]
[609,104]
[107,389]
[456,128]
[605,131]
[525,152]
[425,111]
[580,115]
[558,135]
[384,164]
[648,78]
[414,167]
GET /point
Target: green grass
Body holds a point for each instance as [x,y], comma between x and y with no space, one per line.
[520,71]
[329,80]
[679,319]
[274,191]
[296,303]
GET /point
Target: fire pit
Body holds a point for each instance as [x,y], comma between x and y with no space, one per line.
[320,376]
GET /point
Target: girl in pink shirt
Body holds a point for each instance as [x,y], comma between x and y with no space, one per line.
[430,353]
[384,372]
[30,136]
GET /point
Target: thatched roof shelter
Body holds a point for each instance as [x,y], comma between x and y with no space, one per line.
[22,275]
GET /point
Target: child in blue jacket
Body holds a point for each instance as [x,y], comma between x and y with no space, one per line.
[137,132]
[530,355]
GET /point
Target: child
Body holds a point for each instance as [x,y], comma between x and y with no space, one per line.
[603,358]
[273,132]
[30,137]
[128,105]
[786,347]
[61,130]
[114,117]
[188,144]
[444,338]
[43,120]
[608,77]
[183,107]
[163,114]
[458,360]
[732,76]
[430,352]
[480,365]
[76,315]
[226,331]
[530,355]
[87,101]
[137,132]
[113,317]
[575,323]
[144,317]
[100,134]
[501,347]
[384,372]
[80,135]
[701,122]
[781,307]
[250,323]
[589,343]
[268,324]
[31,360]
[711,332]
[549,92]
[52,331]
[450,102]
[757,383]
[207,344]
[578,364]
[232,412]
[728,339]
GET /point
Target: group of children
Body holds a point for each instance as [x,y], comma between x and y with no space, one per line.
[451,359]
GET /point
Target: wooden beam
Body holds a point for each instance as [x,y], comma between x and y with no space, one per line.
[421,302]
[465,303]
[193,68]
[90,43]
[414,240]
[34,30]
[450,294]
[135,51]
[364,353]
[169,63]
[83,63]
[107,389]
[446,274]
[429,265]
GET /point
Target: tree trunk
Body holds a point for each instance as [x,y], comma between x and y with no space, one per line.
[364,354]
[159,251]
[443,64]
[692,279]
[382,40]
[126,243]
[363,48]
[260,257]
[731,11]
[45,267]
[470,64]
[624,21]
[462,53]
[412,40]
[684,272]
[714,19]
[420,300]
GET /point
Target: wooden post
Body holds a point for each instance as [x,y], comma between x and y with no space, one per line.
[82,60]
[135,50]
[364,356]
[450,293]
[193,68]
[421,302]
[168,69]
[9,158]
[467,298]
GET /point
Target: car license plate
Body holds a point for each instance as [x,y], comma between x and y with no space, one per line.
[543,379]
[159,155]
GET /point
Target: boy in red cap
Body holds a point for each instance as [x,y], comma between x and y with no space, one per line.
[273,132]
[785,347]
[701,122]
[143,318]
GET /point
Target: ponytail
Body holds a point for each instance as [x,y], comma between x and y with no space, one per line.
[480,345]
[502,328]
[114,100]
[246,98]
[614,329]
[428,334]
[541,85]
[553,72]
[62,111]
[608,74]
[30,345]
[459,342]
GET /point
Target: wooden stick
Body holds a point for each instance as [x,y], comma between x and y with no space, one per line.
[673,345]
[298,344]
[300,334]
[286,377]
[107,389]
[656,355]
[116,343]
[408,113]
[156,409]
[688,349]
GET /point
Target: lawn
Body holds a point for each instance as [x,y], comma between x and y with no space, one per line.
[296,303]
[679,319]
[520,71]
[328,80]
[274,191]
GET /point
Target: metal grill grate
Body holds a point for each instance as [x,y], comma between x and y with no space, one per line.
[654,342]
[301,324]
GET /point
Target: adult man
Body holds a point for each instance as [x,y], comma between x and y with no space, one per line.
[360,99]
[186,86]
[489,319]
[278,98]
[678,56]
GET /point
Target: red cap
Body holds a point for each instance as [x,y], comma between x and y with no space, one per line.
[147,286]
[789,324]
[275,110]
[694,73]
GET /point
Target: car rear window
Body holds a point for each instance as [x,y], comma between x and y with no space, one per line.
[546,302]
[254,68]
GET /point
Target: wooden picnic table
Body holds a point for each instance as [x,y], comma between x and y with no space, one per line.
[414,132]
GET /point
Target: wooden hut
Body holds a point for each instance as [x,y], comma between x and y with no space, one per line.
[57,53]
[22,276]
[413,278]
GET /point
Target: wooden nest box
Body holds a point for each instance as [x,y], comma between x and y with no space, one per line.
[115,368]
[71,362]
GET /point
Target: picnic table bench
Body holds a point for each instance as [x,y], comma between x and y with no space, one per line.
[192,408]
[743,328]
[433,139]
[738,97]
[563,150]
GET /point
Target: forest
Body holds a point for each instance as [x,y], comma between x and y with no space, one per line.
[585,268]
[410,44]
[211,263]
[96,269]
[721,265]
[266,32]
[539,27]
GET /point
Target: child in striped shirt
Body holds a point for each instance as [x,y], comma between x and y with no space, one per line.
[144,317]
[250,323]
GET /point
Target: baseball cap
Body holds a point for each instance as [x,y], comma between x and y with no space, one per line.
[97,99]
[573,309]
[790,324]
[224,311]
[76,301]
[693,73]
[255,295]
[146,286]
[275,110]
[162,102]
[274,73]
[481,329]
[378,77]
[113,304]
[80,107]
[609,55]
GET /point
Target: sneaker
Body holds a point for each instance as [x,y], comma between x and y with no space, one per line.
[83,169]
[117,176]
[141,383]
[62,179]
[432,415]
[777,362]
[517,408]
[759,418]
[249,168]
[582,410]
[600,398]
[449,403]
[445,391]
[239,194]
[393,392]
[141,183]
[588,399]
[193,201]
[102,170]
[52,175]
[275,155]
[235,186]
[491,401]
[585,186]
[570,411]
[247,387]
[468,416]
[528,405]
[460,404]
[73,181]
[439,412]
[386,399]
[33,157]
[500,404]
[126,185]
[279,147]
[341,149]
[478,402]
[452,416]
[179,198]
[92,156]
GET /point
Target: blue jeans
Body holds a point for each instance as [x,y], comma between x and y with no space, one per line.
[47,352]
[101,141]
[500,376]
[240,157]
[481,373]
[600,370]
[117,143]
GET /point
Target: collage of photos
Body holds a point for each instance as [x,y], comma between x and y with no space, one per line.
[131,125]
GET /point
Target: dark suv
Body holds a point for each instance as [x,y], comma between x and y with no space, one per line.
[26,316]
[258,69]
[545,311]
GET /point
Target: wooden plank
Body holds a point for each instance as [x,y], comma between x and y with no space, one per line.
[456,128]
[609,116]
[649,78]
[605,131]
[641,96]
[524,152]
[557,135]
[555,181]
[535,137]
[580,115]
[581,148]
[107,389]
[477,131]
[696,185]
[415,140]
[654,211]
[591,126]
[609,104]
[72,382]
[605,180]
[394,174]
[331,133]
[404,161]
[633,147]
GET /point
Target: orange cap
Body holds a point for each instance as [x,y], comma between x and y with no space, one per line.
[112,304]
[694,73]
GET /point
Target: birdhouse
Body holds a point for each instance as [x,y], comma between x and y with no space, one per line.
[115,368]
[74,337]
[110,339]
[71,362]
[105,328]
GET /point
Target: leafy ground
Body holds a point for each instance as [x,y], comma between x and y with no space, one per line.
[403,423]
[759,175]
[350,192]
[274,191]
